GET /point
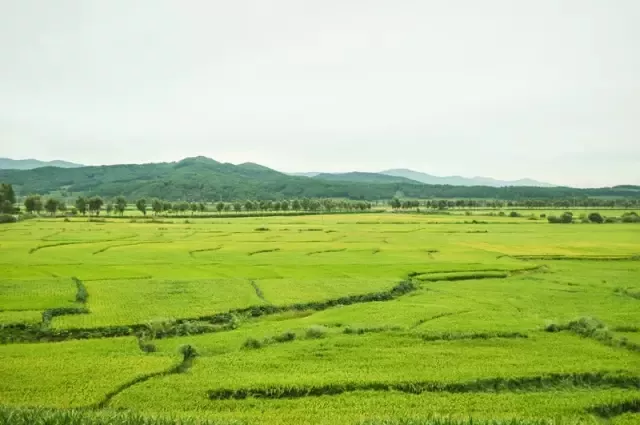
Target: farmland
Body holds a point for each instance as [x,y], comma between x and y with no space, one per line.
[354,318]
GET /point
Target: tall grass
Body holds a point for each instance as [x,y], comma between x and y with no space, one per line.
[41,416]
[500,384]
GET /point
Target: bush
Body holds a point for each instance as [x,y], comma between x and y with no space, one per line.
[252,344]
[316,332]
[595,217]
[630,217]
[514,214]
[188,352]
[566,217]
[148,347]
[543,215]
[285,337]
[262,229]
[7,218]
[554,219]
[501,214]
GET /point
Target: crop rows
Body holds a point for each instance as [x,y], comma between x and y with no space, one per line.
[535,383]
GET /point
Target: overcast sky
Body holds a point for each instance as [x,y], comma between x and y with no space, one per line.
[547,89]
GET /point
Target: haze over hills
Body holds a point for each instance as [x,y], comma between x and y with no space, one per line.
[462,181]
[362,177]
[30,164]
[406,176]
[201,178]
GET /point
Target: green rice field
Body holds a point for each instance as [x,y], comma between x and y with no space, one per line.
[375,319]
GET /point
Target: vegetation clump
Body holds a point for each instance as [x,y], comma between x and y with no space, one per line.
[316,331]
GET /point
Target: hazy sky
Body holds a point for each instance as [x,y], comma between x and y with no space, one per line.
[547,89]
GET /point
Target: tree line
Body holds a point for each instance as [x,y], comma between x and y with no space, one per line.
[447,204]
[95,205]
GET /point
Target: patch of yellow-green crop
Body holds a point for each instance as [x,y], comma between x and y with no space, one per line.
[324,319]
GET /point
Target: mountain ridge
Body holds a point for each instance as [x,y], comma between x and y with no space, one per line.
[30,164]
[201,178]
[462,181]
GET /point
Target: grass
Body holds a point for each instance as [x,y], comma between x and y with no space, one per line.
[377,318]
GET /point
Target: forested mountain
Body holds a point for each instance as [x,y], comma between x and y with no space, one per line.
[29,164]
[360,177]
[461,181]
[204,179]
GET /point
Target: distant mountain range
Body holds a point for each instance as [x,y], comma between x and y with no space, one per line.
[201,178]
[400,175]
[30,164]
[403,175]
[461,181]
[360,177]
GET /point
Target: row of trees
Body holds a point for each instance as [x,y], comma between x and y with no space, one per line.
[312,205]
[594,217]
[83,205]
[444,204]
[94,205]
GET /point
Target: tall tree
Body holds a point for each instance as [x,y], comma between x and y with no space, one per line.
[7,194]
[237,207]
[95,205]
[141,205]
[219,207]
[109,208]
[166,206]
[121,205]
[82,204]
[51,206]
[194,208]
[33,203]
[156,206]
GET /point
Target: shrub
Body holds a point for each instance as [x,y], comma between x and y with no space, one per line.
[514,214]
[261,229]
[501,214]
[285,337]
[595,217]
[188,352]
[252,344]
[81,291]
[566,217]
[543,215]
[147,347]
[630,217]
[7,218]
[316,332]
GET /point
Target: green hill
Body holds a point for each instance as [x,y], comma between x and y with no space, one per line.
[29,164]
[203,178]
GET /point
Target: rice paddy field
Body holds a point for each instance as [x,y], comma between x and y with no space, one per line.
[352,319]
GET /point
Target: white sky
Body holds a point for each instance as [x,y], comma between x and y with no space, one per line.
[547,89]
